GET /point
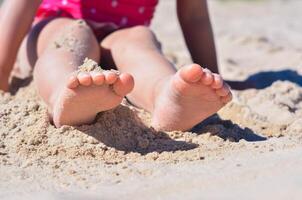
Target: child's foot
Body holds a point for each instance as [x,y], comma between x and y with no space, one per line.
[188,97]
[87,94]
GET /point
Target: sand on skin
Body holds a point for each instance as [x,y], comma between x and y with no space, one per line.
[246,147]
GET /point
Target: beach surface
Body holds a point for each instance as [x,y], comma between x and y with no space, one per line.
[252,149]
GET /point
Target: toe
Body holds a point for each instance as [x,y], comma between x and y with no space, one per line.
[217,81]
[226,99]
[98,78]
[223,91]
[73,82]
[110,77]
[84,78]
[207,78]
[124,84]
[191,73]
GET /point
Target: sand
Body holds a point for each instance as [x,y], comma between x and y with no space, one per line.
[250,149]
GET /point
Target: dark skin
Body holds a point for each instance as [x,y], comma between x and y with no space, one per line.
[193,17]
[195,23]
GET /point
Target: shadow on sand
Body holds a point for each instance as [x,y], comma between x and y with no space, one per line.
[262,80]
[227,130]
[123,130]
[143,140]
[152,141]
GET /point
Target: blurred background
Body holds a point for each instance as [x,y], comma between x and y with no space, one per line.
[258,40]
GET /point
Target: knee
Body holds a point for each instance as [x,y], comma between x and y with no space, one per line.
[78,38]
[129,39]
[139,33]
[75,31]
[71,25]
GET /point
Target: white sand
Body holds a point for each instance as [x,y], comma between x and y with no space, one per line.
[256,155]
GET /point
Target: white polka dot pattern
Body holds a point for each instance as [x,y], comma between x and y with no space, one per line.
[93,10]
[124,13]
[124,21]
[46,5]
[141,10]
[114,3]
[64,2]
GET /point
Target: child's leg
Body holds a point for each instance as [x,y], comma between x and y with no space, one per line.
[177,100]
[74,99]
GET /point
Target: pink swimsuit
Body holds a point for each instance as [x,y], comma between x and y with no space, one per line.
[123,13]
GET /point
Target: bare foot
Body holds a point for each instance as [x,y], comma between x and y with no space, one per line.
[87,94]
[188,97]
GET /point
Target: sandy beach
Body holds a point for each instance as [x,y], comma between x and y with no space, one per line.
[252,149]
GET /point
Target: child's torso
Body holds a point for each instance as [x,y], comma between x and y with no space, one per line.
[123,13]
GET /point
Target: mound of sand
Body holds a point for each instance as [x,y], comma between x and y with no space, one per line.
[125,134]
[107,150]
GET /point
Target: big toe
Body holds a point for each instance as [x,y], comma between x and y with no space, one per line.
[124,84]
[191,73]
